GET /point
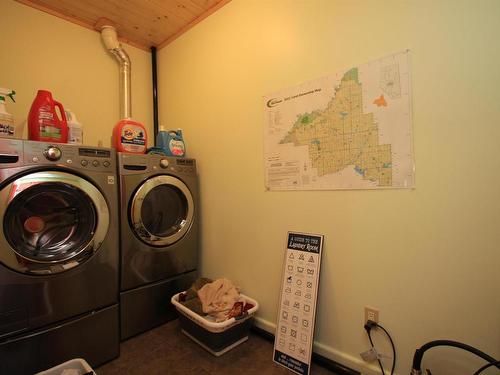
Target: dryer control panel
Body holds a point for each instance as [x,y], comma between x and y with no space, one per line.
[130,164]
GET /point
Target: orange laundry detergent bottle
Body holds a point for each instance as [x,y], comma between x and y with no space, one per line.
[130,136]
[44,123]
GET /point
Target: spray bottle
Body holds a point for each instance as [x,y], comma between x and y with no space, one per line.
[7,128]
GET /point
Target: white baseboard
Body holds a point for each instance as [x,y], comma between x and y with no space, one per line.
[328,352]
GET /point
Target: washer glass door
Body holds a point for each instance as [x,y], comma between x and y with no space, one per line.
[161,210]
[52,221]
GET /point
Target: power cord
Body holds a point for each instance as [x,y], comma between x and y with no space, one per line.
[368,327]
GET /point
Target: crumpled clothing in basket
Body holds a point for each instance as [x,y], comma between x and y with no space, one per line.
[218,298]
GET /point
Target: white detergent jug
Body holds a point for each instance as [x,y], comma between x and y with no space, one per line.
[75,129]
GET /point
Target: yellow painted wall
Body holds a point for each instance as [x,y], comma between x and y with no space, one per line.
[427,258]
[40,51]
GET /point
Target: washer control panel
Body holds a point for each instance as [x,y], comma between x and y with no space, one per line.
[75,156]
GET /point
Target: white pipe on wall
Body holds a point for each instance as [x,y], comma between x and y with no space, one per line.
[110,40]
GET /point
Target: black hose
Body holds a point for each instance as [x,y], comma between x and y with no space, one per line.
[481,369]
[419,353]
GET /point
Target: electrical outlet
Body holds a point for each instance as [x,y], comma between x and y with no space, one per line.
[371,313]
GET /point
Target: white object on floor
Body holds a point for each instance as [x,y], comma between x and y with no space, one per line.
[77,366]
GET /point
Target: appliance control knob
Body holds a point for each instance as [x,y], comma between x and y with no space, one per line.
[52,153]
[164,163]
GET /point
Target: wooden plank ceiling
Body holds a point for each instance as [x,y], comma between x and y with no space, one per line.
[141,23]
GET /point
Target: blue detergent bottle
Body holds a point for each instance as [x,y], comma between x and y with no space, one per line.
[171,142]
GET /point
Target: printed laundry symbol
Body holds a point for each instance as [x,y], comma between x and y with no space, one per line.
[300,269]
[290,267]
[299,282]
[288,290]
[298,293]
[295,318]
[308,295]
[301,257]
[303,337]
[292,347]
[310,271]
[285,315]
[296,305]
[291,256]
[302,351]
[283,329]
[286,302]
[289,279]
[307,308]
[309,284]
[311,259]
[305,322]
[293,333]
[282,342]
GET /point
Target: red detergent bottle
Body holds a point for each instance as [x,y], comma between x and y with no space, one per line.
[44,123]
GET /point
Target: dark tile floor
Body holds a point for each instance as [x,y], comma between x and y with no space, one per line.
[166,350]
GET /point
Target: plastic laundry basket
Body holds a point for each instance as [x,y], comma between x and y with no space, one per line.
[217,338]
[80,366]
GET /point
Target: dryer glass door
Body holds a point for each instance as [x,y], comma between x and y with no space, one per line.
[52,221]
[162,210]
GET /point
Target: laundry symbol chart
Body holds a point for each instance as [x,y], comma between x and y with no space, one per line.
[300,280]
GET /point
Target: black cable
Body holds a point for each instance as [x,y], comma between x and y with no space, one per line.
[481,369]
[393,347]
[368,331]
